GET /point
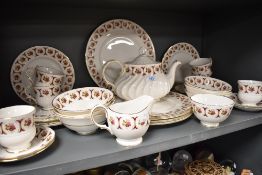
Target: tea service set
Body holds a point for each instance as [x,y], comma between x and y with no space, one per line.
[44,77]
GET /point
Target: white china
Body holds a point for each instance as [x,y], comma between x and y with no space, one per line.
[17,127]
[143,76]
[128,121]
[211,109]
[44,95]
[117,39]
[45,115]
[45,76]
[206,85]
[239,105]
[50,124]
[249,92]
[43,139]
[184,53]
[82,100]
[171,106]
[39,56]
[171,120]
[201,66]
[82,123]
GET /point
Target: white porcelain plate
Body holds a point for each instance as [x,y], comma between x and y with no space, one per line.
[172,105]
[172,120]
[117,39]
[240,106]
[184,53]
[42,56]
[44,138]
[44,116]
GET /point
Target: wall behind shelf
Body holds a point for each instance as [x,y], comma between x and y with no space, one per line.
[68,29]
[234,41]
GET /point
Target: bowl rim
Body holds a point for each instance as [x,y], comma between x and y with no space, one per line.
[231,104]
[80,111]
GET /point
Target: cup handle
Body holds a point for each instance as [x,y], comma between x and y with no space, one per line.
[100,126]
[104,69]
[28,72]
[30,96]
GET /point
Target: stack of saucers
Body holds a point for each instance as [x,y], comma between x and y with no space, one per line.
[173,108]
[206,85]
[74,108]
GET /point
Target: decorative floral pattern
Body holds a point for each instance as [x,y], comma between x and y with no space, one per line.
[48,79]
[131,123]
[88,93]
[16,126]
[134,70]
[207,83]
[25,58]
[252,89]
[179,47]
[47,91]
[210,112]
[202,70]
[100,32]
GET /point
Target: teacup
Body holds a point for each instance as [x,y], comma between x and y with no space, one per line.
[17,127]
[45,76]
[128,121]
[44,95]
[249,92]
[201,66]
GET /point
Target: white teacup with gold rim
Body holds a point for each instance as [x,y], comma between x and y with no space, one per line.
[17,127]
[45,76]
[201,66]
[128,121]
[249,92]
[44,95]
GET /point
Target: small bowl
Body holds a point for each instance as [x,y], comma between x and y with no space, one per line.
[82,100]
[207,83]
[82,124]
[211,109]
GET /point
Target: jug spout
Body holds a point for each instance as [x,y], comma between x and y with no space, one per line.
[171,75]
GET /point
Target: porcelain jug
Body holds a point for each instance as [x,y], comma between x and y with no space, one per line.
[143,76]
[128,120]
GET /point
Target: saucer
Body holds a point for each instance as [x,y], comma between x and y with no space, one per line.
[39,56]
[45,115]
[239,105]
[49,124]
[171,106]
[44,138]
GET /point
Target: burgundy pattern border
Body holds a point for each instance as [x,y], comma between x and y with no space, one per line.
[32,53]
[101,31]
[176,48]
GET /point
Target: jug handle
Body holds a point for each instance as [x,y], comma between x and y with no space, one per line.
[100,126]
[104,69]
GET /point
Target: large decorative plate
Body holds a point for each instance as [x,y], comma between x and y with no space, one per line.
[171,106]
[44,138]
[42,56]
[184,53]
[117,39]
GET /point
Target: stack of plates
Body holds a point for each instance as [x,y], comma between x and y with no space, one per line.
[206,85]
[173,108]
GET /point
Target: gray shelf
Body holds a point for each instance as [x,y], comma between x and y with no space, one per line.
[71,152]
